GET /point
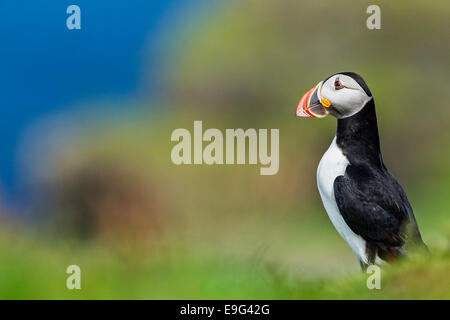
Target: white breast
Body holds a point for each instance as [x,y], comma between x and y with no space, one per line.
[332,165]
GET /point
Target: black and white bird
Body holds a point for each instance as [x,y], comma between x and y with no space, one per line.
[365,203]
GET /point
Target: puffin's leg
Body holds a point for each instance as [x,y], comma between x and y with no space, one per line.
[363,266]
[371,253]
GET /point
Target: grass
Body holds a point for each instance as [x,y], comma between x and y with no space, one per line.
[31,269]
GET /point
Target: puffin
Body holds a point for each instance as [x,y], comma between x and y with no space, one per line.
[365,203]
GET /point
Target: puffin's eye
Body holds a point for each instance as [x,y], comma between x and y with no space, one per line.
[338,84]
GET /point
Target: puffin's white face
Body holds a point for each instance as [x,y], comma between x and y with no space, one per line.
[340,95]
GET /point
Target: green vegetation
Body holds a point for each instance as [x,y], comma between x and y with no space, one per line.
[31,270]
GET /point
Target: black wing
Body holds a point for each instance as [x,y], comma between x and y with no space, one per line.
[373,205]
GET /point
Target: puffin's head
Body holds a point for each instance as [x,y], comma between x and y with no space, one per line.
[341,95]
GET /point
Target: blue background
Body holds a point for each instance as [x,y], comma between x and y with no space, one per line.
[45,67]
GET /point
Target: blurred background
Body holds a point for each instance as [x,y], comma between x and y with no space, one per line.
[85,171]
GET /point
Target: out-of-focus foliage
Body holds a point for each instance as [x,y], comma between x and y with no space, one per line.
[35,270]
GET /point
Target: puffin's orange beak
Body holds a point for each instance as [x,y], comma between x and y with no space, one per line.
[312,105]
